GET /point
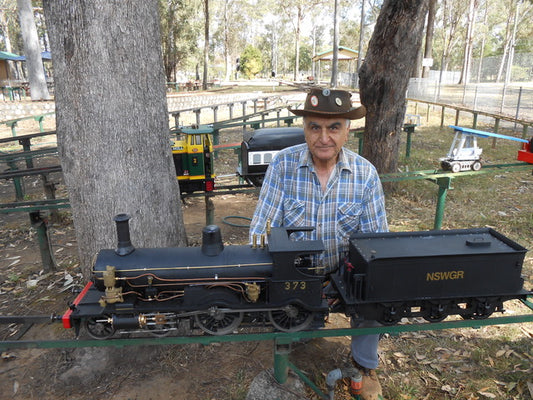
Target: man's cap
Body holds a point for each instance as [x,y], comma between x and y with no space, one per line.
[329,103]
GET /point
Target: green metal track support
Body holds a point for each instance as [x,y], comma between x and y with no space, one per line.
[444,183]
[282,341]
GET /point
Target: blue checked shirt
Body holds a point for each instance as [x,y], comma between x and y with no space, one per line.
[291,195]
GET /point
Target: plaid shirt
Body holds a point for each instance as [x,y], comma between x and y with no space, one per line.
[291,195]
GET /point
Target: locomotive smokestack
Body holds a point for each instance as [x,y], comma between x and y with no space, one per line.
[212,241]
[124,246]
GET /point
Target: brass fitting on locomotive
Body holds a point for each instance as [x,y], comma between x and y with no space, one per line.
[112,294]
[252,291]
[261,239]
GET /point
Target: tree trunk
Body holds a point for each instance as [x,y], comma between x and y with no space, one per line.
[206,44]
[112,122]
[430,29]
[384,77]
[469,43]
[335,59]
[32,48]
[12,71]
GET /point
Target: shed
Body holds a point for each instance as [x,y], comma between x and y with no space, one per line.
[5,56]
[344,54]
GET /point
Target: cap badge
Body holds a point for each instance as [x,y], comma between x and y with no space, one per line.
[314,101]
[338,101]
[326,92]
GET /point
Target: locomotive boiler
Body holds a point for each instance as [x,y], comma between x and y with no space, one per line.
[276,283]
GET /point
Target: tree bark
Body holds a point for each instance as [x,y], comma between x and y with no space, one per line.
[206,44]
[384,77]
[112,122]
[335,59]
[32,48]
[428,48]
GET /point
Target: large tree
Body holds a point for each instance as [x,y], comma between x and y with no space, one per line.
[112,122]
[384,76]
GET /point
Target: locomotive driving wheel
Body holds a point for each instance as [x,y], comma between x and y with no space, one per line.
[218,321]
[291,318]
[99,327]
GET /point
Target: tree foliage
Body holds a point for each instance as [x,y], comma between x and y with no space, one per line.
[251,61]
[178,39]
[499,28]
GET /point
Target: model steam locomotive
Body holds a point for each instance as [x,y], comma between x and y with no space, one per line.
[275,282]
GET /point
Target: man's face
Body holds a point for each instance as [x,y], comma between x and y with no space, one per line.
[325,137]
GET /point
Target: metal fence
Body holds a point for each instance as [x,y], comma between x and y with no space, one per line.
[515,101]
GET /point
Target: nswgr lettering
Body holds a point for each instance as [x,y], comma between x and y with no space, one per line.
[444,275]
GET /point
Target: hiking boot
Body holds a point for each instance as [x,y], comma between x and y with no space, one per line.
[371,388]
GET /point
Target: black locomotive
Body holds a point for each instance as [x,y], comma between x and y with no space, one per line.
[386,276]
[258,150]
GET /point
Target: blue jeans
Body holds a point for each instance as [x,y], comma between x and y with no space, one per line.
[365,347]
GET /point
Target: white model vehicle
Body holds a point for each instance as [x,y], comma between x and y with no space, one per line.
[464,154]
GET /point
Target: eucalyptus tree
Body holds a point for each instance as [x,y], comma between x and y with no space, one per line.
[297,11]
[32,50]
[384,76]
[229,18]
[469,41]
[517,13]
[7,17]
[450,15]
[112,122]
[180,28]
[430,29]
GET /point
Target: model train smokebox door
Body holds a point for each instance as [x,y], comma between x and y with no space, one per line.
[435,264]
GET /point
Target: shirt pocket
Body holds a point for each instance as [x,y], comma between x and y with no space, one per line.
[348,216]
[294,215]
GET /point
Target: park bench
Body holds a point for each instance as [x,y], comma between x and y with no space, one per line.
[34,208]
[12,123]
[27,155]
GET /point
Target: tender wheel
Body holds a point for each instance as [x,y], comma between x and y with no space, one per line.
[291,318]
[436,313]
[456,167]
[391,316]
[483,310]
[217,321]
[99,327]
[479,310]
[476,166]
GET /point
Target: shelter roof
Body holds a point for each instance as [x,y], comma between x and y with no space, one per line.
[45,55]
[344,53]
[4,55]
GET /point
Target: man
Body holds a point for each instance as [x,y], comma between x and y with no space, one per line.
[324,185]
